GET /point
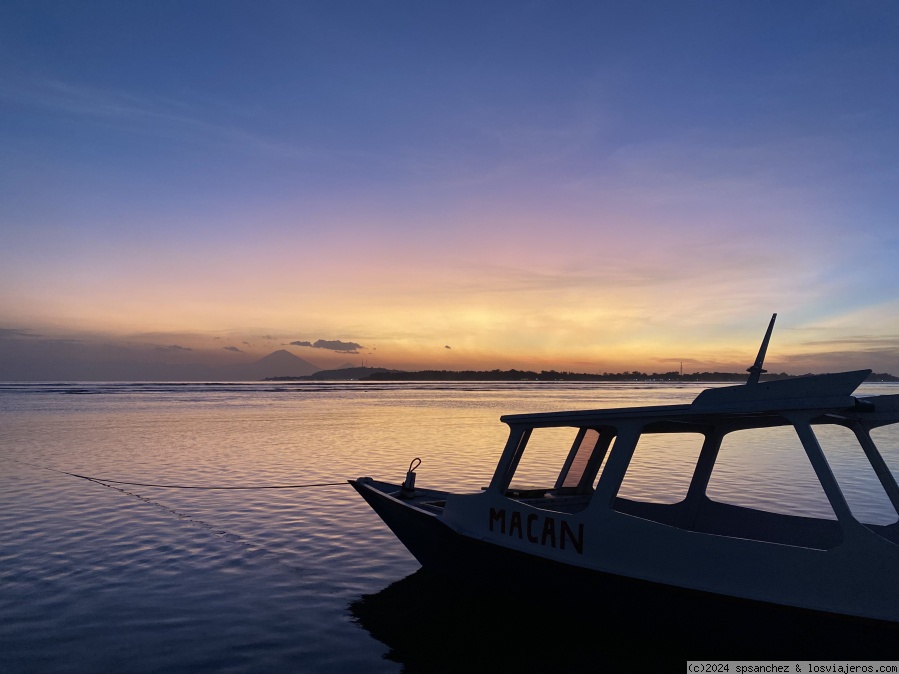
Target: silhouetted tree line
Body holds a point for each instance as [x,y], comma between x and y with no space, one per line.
[552,375]
[382,374]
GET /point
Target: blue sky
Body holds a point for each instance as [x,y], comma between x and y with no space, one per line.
[590,186]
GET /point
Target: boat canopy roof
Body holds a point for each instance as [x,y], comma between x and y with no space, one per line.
[747,406]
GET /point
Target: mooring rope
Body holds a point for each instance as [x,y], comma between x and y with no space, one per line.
[106,481]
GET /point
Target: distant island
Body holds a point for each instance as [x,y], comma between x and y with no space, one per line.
[386,374]
[343,374]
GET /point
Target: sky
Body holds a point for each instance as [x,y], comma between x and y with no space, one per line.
[584,186]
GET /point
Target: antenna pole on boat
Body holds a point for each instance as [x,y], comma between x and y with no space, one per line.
[756,370]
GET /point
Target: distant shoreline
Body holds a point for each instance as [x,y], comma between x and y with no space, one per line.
[384,374]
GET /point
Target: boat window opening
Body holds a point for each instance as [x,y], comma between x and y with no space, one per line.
[881,446]
[768,469]
[861,488]
[508,464]
[763,488]
[887,440]
[538,466]
[661,467]
[557,467]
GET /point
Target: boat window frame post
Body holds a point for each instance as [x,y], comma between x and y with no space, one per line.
[803,427]
[627,436]
[875,458]
[569,459]
[519,434]
[607,435]
[604,437]
[702,473]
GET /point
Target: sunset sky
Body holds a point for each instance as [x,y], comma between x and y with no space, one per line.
[587,186]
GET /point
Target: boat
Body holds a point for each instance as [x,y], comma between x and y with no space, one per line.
[576,536]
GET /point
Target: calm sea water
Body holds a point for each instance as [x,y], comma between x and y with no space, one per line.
[127,578]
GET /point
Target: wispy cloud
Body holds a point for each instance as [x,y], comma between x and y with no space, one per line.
[331,345]
[879,359]
[144,113]
[861,342]
[337,345]
[17,333]
[173,347]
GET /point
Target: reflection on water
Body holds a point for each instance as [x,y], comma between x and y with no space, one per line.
[433,624]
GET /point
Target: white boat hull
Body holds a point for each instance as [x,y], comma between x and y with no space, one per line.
[644,554]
